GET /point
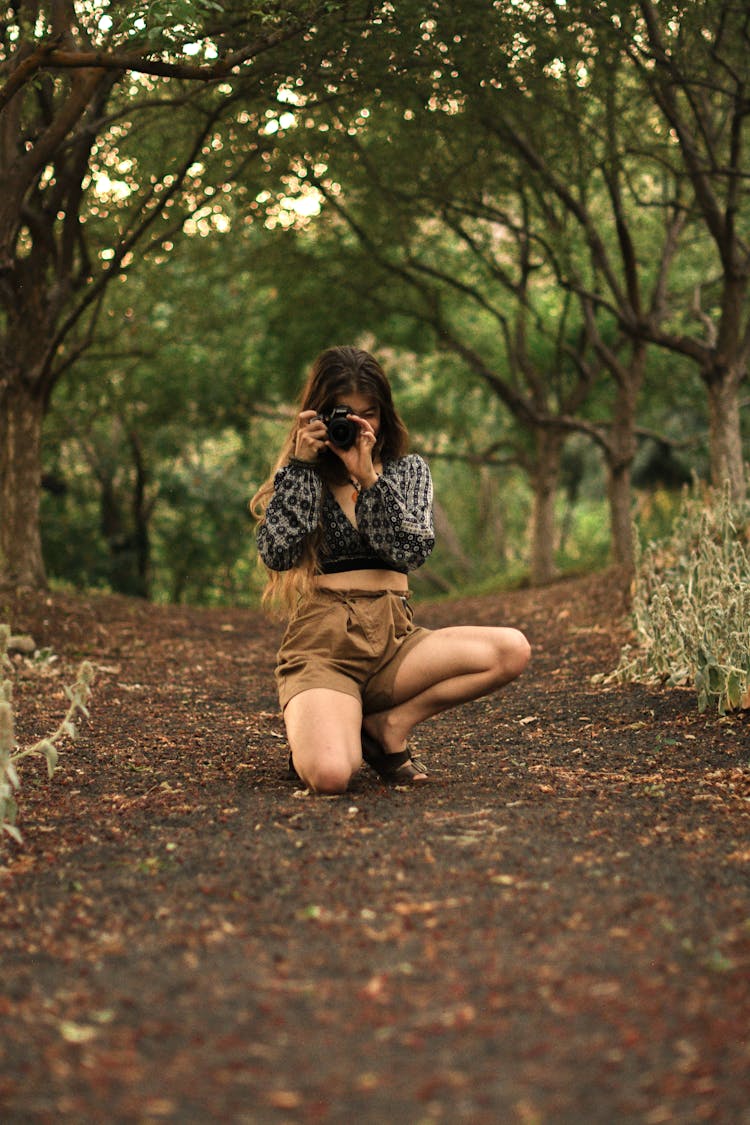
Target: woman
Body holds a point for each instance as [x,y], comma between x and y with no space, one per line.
[341,526]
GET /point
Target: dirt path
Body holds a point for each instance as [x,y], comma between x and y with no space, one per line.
[556,930]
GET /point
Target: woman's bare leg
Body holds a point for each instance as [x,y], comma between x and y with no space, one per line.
[448,667]
[324,732]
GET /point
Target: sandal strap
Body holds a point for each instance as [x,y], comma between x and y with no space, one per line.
[394,762]
[390,767]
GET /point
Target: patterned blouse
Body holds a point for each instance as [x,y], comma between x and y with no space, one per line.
[394,520]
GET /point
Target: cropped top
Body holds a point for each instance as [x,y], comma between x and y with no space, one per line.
[394,520]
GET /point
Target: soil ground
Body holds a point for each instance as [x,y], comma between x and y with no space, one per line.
[555,930]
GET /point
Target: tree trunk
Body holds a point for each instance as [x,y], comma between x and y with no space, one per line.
[126,574]
[491,520]
[21,417]
[450,541]
[619,464]
[620,496]
[549,444]
[725,434]
[141,516]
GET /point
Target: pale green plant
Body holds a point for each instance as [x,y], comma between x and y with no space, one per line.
[691,604]
[78,695]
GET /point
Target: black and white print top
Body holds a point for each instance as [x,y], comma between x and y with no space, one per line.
[394,520]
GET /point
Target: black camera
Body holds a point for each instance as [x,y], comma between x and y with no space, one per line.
[342,431]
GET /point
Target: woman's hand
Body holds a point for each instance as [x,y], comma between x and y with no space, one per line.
[311,437]
[358,459]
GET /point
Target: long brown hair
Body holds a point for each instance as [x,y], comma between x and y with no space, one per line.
[336,373]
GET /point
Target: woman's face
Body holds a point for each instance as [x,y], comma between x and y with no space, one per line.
[362,405]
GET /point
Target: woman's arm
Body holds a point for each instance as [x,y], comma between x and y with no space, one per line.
[394,514]
[293,513]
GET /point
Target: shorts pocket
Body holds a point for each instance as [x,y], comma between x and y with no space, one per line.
[403,616]
[316,628]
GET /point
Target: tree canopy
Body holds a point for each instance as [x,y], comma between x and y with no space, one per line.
[539,211]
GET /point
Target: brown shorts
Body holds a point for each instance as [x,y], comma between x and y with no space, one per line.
[352,641]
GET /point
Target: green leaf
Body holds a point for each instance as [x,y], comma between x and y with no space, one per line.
[13,831]
[9,811]
[734,689]
[49,751]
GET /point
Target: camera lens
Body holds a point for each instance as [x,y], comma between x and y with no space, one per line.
[342,432]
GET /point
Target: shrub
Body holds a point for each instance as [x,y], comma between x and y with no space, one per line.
[691,603]
[78,696]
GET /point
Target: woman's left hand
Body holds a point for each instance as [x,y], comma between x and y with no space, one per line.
[358,458]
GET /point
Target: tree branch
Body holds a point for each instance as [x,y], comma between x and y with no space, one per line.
[51,57]
[664,93]
[574,206]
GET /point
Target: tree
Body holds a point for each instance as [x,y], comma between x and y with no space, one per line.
[625,219]
[693,60]
[610,226]
[114,128]
[166,410]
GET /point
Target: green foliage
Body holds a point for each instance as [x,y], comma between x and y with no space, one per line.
[691,608]
[78,695]
[202,529]
[154,450]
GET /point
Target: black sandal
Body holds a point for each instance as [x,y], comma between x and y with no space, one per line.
[398,769]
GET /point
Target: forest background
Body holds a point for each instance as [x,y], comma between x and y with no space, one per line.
[534,213]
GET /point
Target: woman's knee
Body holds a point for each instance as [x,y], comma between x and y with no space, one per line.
[514,653]
[323,731]
[328,777]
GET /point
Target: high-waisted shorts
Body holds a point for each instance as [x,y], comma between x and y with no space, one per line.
[352,641]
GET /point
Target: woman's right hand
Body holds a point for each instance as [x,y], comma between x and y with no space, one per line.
[311,436]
